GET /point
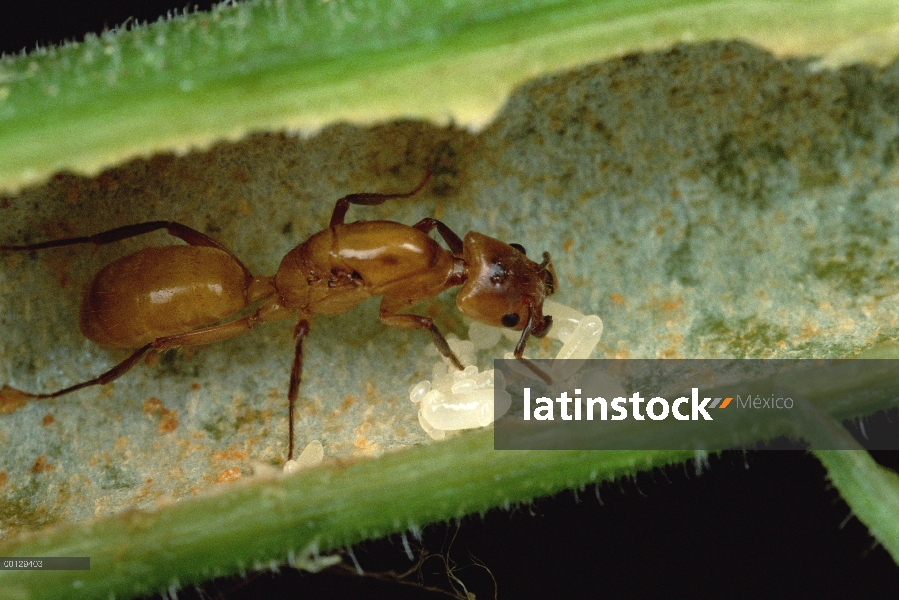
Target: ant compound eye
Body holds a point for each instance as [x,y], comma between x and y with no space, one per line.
[510,320]
[520,248]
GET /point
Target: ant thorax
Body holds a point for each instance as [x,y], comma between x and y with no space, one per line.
[454,400]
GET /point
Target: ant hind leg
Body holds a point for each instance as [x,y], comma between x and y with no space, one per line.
[12,398]
[178,230]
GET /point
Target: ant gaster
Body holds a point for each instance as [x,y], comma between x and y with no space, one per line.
[166,297]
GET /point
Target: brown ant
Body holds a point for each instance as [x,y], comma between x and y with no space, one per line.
[166,297]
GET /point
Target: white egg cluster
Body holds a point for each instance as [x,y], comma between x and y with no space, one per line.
[455,400]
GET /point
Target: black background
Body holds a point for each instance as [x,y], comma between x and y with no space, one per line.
[749,525]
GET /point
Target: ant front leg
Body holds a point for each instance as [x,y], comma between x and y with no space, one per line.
[449,236]
[369,199]
[406,321]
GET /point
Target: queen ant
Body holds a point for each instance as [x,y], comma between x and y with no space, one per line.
[165,297]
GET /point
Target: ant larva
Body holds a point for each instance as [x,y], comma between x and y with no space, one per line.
[166,297]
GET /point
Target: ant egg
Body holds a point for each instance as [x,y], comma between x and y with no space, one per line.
[463,386]
[485,379]
[431,397]
[466,373]
[311,456]
[417,391]
[436,434]
[584,340]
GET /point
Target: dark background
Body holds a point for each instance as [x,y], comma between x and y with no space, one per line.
[749,525]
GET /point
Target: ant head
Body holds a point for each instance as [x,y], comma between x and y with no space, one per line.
[505,288]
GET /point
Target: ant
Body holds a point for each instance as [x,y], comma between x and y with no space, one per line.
[166,297]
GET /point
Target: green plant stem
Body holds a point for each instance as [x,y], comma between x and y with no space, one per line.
[871,491]
[195,79]
[267,520]
[264,521]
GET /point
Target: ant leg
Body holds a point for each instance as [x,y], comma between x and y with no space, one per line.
[183,232]
[519,349]
[270,311]
[417,322]
[449,236]
[369,199]
[111,375]
[296,374]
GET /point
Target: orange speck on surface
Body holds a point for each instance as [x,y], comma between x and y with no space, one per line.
[41,464]
[148,480]
[347,402]
[48,420]
[228,475]
[168,418]
[195,386]
[617,299]
[361,442]
[152,359]
[2,478]
[244,208]
[11,399]
[169,421]
[567,245]
[623,353]
[121,444]
[153,405]
[674,304]
[231,454]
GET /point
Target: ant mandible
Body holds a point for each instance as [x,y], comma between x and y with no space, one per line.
[166,297]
